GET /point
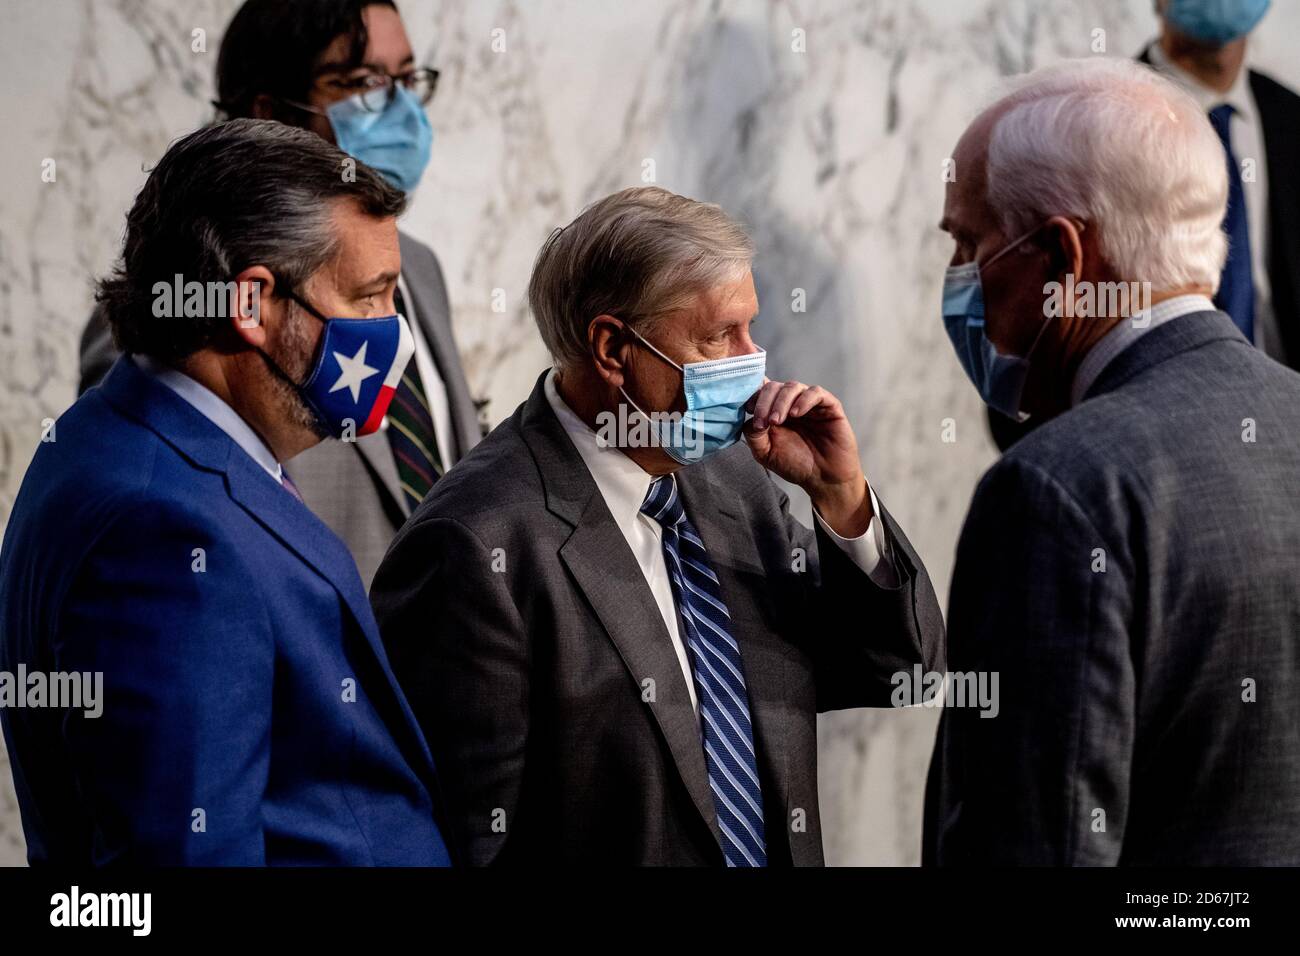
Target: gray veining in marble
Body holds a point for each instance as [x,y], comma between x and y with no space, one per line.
[831,155]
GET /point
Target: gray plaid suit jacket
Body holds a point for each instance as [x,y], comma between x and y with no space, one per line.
[1150,711]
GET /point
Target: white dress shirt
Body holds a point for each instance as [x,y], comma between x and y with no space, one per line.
[1247,143]
[435,389]
[623,484]
[1126,332]
[211,407]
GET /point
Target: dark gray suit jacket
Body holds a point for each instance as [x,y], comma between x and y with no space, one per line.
[523,632]
[1150,711]
[353,486]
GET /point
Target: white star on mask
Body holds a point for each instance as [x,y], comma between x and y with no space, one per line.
[354,372]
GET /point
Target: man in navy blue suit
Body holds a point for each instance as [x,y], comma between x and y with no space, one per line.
[248,713]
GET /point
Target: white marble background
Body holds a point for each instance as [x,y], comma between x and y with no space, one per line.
[832,156]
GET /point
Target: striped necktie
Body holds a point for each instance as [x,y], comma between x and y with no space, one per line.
[719,679]
[411,434]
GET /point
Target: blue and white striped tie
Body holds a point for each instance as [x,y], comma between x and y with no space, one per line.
[719,679]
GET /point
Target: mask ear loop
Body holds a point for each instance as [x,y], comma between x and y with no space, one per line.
[311,369]
[646,342]
[307,306]
[1009,246]
[623,391]
[1015,242]
[1048,321]
[1003,251]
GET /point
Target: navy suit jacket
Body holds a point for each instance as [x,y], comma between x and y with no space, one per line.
[249,713]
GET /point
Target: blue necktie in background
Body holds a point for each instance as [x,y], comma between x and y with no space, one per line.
[719,679]
[1236,294]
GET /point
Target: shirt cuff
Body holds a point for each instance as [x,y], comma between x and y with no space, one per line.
[869,550]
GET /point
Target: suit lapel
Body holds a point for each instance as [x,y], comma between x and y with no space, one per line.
[300,530]
[1280,126]
[605,571]
[378,454]
[308,537]
[205,445]
[428,294]
[598,557]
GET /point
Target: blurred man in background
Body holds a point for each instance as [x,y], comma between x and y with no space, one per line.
[249,715]
[344,69]
[1129,568]
[1202,47]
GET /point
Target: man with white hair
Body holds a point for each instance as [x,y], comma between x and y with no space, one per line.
[1129,569]
[615,636]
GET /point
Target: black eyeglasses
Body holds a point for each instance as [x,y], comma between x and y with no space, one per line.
[375,90]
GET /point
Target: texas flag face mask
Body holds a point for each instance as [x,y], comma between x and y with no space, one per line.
[358,365]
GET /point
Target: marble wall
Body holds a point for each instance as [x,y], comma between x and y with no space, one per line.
[830,149]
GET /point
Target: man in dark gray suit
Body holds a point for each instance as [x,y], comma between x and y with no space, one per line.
[333,67]
[1129,569]
[614,635]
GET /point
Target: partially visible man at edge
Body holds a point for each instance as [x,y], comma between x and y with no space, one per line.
[1203,46]
[249,715]
[1129,568]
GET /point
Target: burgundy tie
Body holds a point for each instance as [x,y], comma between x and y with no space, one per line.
[289,486]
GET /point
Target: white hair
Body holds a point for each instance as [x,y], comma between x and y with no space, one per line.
[1110,142]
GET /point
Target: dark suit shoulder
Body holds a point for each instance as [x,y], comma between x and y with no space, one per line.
[498,475]
[418,256]
[99,460]
[1156,427]
[104,464]
[1267,89]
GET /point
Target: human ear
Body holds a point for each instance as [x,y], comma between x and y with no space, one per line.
[253,291]
[607,342]
[1065,246]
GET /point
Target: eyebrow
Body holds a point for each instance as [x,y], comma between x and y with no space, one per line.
[337,66]
[380,281]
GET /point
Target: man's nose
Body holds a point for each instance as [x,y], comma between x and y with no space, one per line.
[745,346]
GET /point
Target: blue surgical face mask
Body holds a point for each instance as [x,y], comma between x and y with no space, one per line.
[716,392]
[1000,379]
[1215,21]
[396,140]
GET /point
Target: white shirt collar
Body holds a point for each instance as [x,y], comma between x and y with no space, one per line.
[211,407]
[1238,97]
[621,481]
[1125,333]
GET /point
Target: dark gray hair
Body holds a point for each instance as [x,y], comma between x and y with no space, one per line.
[222,199]
[635,255]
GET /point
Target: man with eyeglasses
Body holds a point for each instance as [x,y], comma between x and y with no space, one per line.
[345,70]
